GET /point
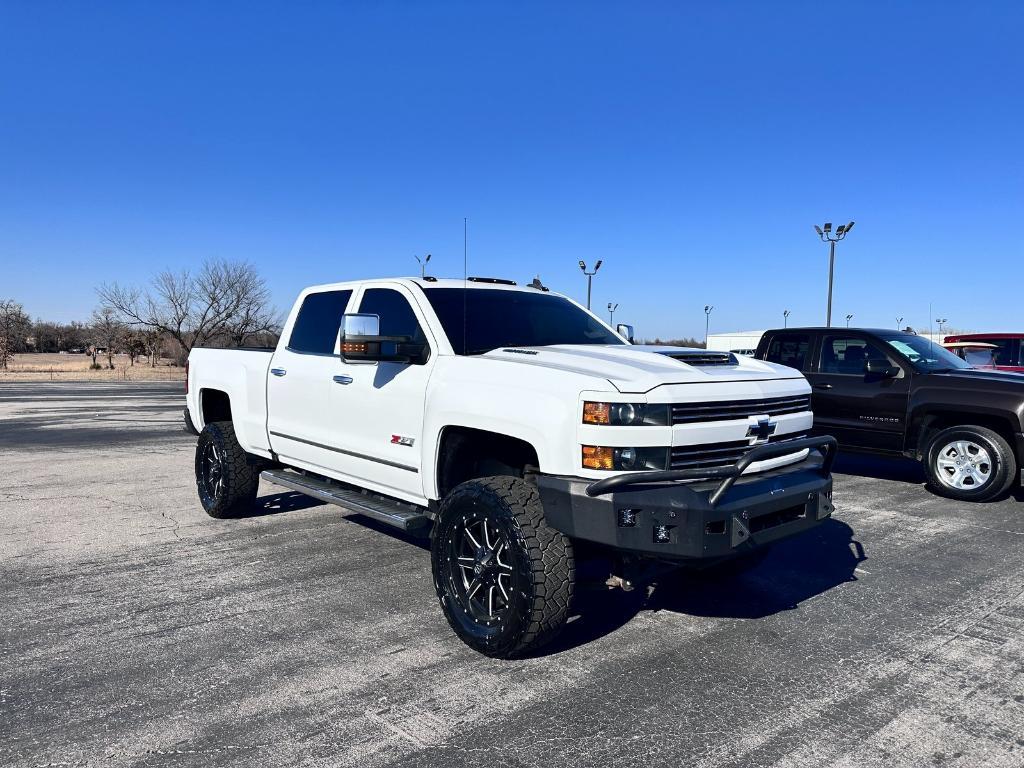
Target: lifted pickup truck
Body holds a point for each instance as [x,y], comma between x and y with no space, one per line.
[898,394]
[515,427]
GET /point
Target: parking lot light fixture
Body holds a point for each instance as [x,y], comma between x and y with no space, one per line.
[590,277]
[848,319]
[707,322]
[423,264]
[611,313]
[899,323]
[941,321]
[826,235]
[785,318]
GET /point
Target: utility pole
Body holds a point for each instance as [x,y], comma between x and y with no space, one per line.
[611,313]
[827,237]
[707,322]
[423,265]
[785,318]
[590,277]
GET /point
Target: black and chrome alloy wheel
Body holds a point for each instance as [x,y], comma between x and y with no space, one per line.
[211,473]
[479,569]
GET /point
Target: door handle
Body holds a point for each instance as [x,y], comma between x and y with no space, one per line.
[278,371]
[342,379]
[823,386]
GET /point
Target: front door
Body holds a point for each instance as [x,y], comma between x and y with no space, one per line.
[860,409]
[375,415]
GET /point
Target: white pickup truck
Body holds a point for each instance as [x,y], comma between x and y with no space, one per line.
[517,429]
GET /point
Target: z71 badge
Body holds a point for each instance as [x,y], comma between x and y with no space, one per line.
[401,440]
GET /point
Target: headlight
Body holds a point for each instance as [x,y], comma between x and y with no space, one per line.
[626,414]
[600,457]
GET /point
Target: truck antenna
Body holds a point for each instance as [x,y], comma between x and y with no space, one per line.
[465,281]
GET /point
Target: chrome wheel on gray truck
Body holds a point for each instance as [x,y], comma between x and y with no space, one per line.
[504,577]
[226,476]
[969,463]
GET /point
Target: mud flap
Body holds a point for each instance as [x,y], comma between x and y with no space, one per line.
[740,528]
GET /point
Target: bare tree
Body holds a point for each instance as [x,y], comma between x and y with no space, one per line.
[109,332]
[224,300]
[14,330]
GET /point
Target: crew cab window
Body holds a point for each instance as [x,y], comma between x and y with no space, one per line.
[316,328]
[845,354]
[789,349]
[396,316]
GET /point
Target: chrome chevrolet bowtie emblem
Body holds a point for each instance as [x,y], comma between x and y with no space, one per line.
[761,431]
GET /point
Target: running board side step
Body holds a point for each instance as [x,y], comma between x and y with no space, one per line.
[406,517]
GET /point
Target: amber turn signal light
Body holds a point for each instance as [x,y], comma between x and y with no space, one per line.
[596,413]
[596,457]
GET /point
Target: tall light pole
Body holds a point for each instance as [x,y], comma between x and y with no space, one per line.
[590,277]
[848,319]
[707,322]
[827,237]
[785,318]
[941,321]
[899,323]
[423,265]
[611,313]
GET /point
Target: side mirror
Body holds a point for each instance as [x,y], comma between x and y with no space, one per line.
[881,368]
[625,330]
[361,342]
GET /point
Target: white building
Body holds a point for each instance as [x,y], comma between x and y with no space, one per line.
[730,342]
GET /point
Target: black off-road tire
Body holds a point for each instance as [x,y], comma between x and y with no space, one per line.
[1001,474]
[536,570]
[233,492]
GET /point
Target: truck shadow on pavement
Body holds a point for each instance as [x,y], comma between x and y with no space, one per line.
[794,571]
[286,501]
[879,468]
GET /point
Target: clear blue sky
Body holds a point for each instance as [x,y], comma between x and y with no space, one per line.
[690,146]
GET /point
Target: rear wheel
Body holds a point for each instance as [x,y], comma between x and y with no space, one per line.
[504,578]
[969,463]
[226,476]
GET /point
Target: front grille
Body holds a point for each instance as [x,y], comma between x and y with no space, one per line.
[716,454]
[690,413]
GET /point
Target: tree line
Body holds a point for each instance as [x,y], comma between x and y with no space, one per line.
[223,304]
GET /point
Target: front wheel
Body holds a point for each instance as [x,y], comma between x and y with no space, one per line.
[227,478]
[969,463]
[504,577]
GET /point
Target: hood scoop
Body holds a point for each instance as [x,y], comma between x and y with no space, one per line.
[701,357]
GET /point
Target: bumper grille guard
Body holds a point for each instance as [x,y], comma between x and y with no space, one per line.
[825,444]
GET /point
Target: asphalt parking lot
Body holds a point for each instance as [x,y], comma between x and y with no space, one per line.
[137,631]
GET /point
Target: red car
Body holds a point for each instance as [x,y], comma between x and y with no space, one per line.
[1009,352]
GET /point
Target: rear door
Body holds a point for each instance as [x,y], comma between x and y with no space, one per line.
[791,348]
[301,380]
[860,409]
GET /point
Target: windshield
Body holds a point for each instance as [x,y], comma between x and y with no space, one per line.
[925,355]
[500,318]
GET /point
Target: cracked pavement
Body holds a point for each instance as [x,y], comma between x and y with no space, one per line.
[137,631]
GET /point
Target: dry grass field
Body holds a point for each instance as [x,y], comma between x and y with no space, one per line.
[67,367]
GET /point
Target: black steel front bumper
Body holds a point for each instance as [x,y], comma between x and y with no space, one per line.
[717,514]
